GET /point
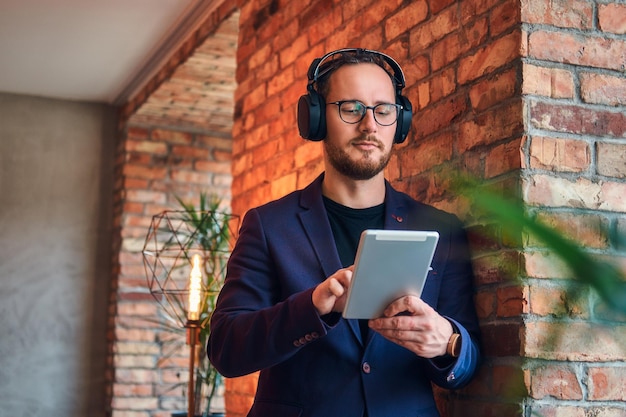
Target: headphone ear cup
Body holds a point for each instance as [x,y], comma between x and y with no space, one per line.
[312,116]
[404,119]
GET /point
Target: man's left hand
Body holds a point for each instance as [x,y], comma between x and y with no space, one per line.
[419,328]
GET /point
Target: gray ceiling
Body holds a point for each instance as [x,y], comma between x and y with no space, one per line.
[96,51]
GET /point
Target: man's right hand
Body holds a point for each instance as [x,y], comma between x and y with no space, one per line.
[330,295]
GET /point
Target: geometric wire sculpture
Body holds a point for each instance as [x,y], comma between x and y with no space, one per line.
[174,237]
[174,240]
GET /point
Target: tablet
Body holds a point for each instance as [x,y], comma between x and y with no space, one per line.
[388,265]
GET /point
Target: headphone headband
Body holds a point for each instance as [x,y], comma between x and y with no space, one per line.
[314,74]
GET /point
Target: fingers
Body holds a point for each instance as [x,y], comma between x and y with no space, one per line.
[330,295]
[420,329]
[335,288]
[407,304]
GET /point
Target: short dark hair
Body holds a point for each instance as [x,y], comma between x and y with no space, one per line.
[351,57]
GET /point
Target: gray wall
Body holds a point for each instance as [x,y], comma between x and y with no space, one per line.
[56,176]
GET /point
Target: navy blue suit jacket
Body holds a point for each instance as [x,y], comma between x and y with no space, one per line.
[314,366]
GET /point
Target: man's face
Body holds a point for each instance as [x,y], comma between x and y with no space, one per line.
[358,151]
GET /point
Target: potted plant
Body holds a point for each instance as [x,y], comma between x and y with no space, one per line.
[173,240]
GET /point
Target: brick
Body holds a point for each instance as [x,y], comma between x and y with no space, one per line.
[134,361]
[603,89]
[191,152]
[576,49]
[489,58]
[555,192]
[135,403]
[545,265]
[577,14]
[504,16]
[307,153]
[559,155]
[613,196]
[492,91]
[587,230]
[211,168]
[134,335]
[137,133]
[146,146]
[577,119]
[557,381]
[574,341]
[496,124]
[142,172]
[607,383]
[557,410]
[145,196]
[133,390]
[193,177]
[503,158]
[172,136]
[442,84]
[426,154]
[512,301]
[406,18]
[471,9]
[438,116]
[547,82]
[551,301]
[484,238]
[137,309]
[127,413]
[284,185]
[500,267]
[485,304]
[434,29]
[135,376]
[612,18]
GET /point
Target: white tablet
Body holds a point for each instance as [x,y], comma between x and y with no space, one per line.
[388,265]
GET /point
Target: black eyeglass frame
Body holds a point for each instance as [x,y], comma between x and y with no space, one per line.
[341,102]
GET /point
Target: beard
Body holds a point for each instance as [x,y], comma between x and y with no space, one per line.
[363,168]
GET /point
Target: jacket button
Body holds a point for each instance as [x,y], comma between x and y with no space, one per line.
[366,368]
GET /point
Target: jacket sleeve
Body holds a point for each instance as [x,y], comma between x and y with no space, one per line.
[257,323]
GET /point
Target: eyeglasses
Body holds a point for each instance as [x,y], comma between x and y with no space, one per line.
[353,111]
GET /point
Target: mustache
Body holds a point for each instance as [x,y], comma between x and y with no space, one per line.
[368,139]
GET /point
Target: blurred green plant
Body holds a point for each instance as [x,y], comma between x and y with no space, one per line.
[513,217]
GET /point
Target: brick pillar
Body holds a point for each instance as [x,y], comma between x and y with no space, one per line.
[574,97]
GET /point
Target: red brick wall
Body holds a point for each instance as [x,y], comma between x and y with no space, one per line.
[529,95]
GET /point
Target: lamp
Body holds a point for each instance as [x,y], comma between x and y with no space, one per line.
[184,256]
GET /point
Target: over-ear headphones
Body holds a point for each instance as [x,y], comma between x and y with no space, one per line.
[312,107]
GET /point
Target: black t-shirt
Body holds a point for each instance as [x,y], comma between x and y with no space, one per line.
[347,225]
